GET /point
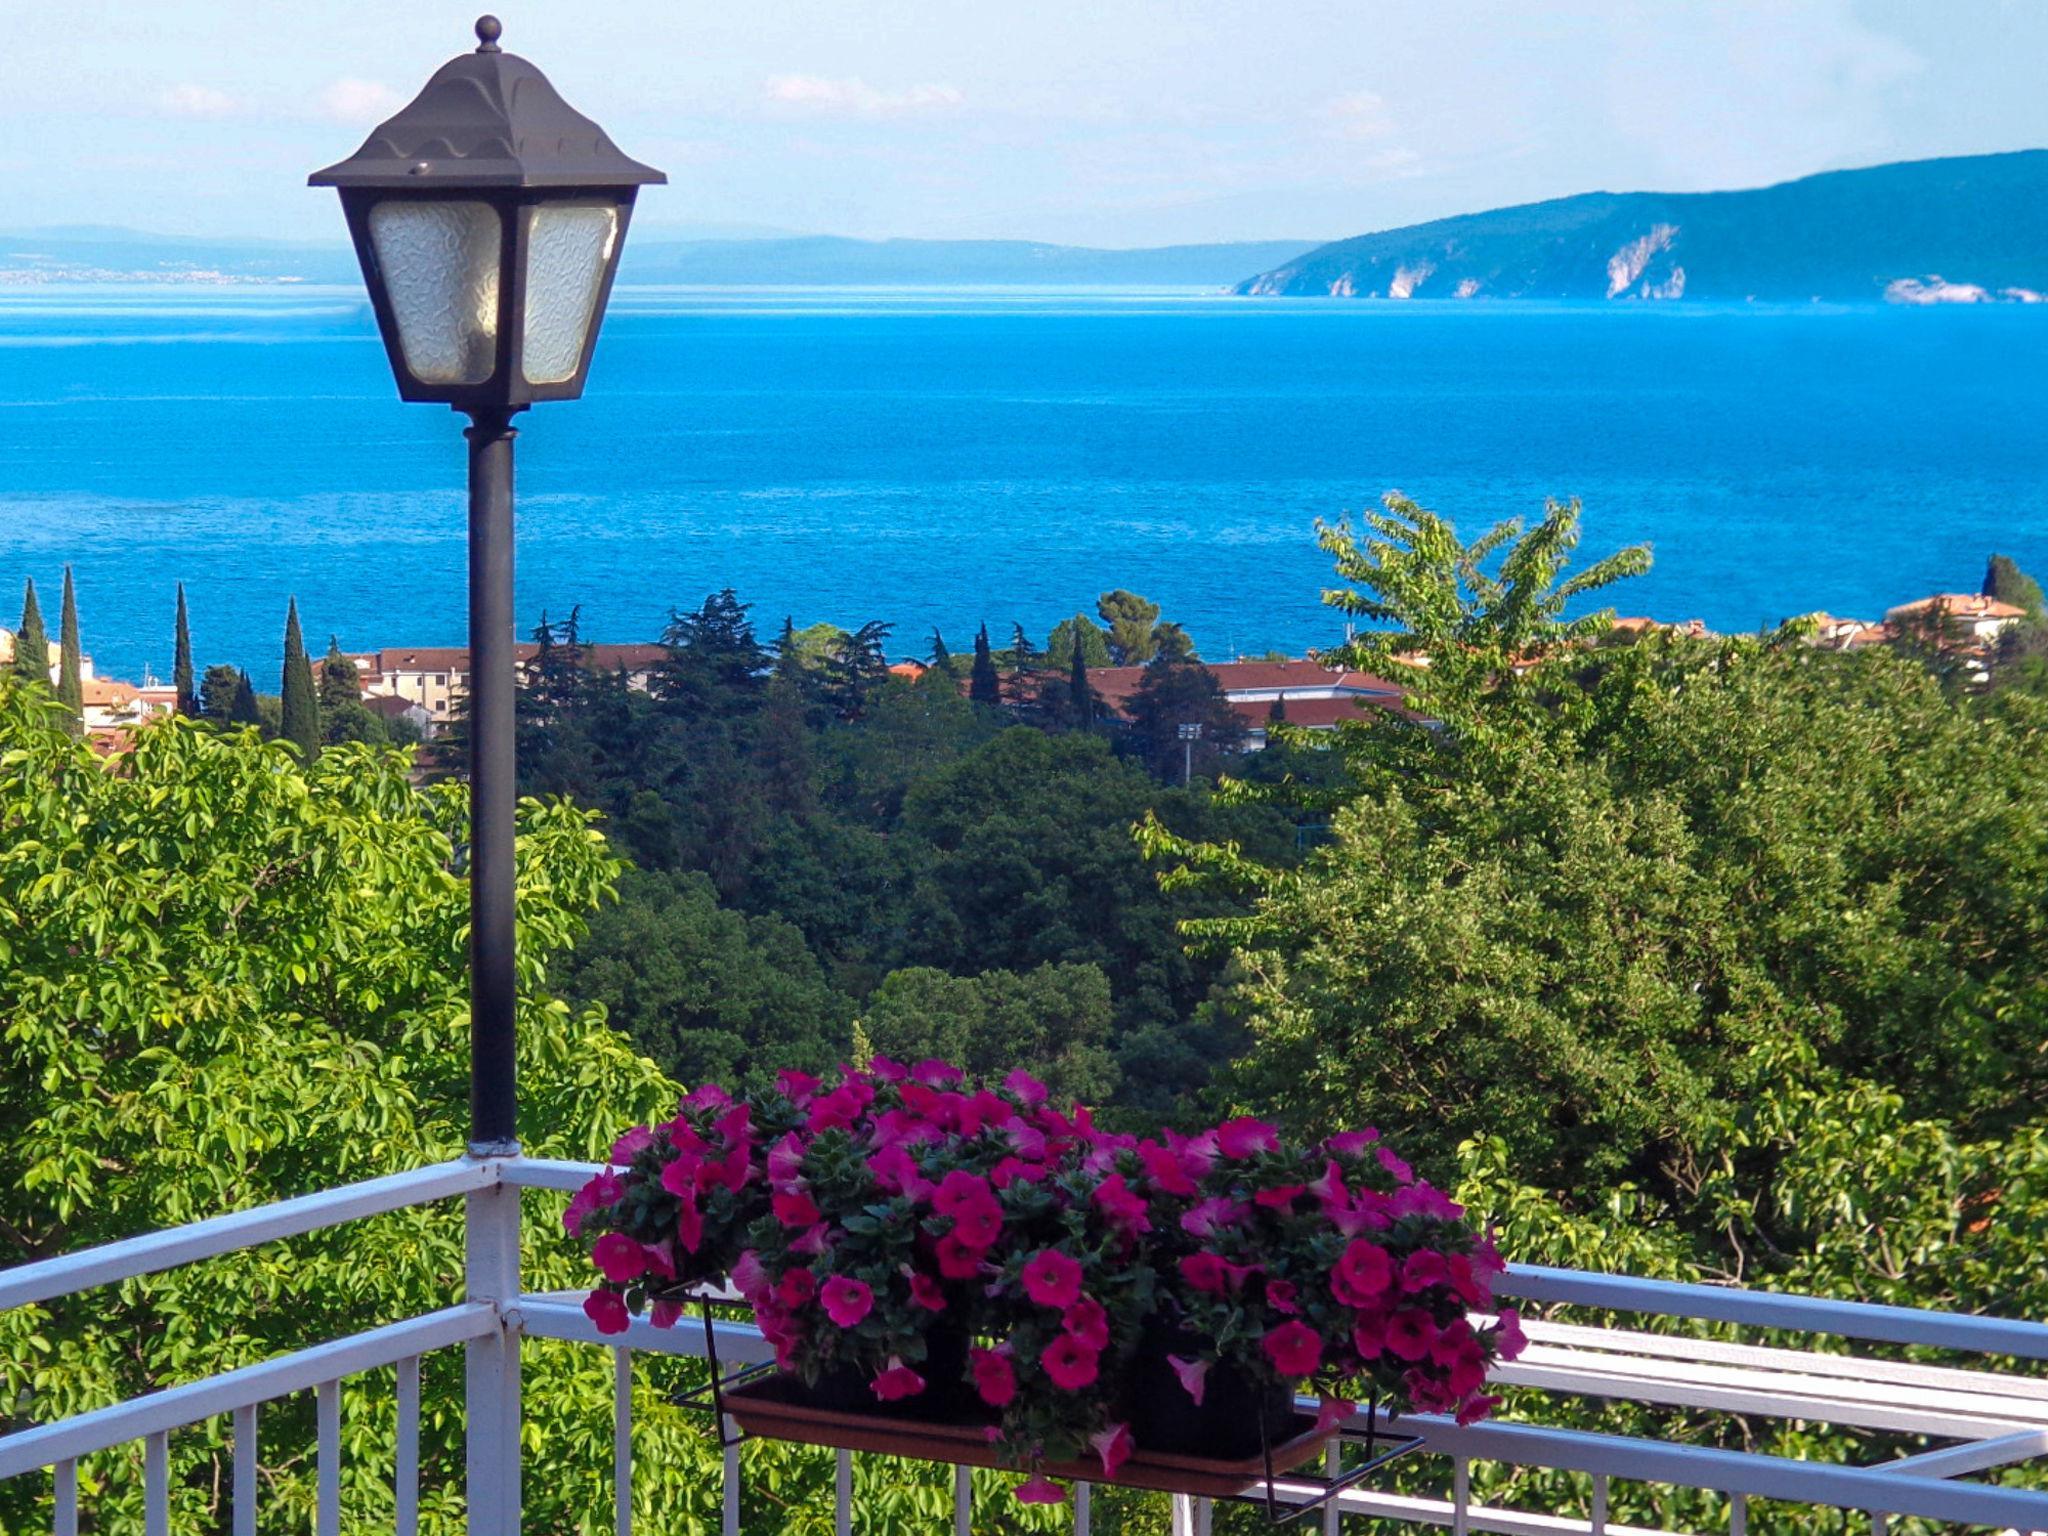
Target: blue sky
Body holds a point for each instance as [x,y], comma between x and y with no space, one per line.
[1116,122]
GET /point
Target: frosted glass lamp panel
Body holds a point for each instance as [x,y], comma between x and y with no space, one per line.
[439,262]
[568,250]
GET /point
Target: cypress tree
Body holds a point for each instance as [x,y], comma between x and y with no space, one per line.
[2005,581]
[1080,697]
[181,666]
[300,724]
[70,664]
[942,659]
[244,711]
[983,685]
[32,641]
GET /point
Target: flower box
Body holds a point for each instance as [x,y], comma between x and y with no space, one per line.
[988,1263]
[779,1408]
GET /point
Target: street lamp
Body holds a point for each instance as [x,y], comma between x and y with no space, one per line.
[488,217]
[1189,735]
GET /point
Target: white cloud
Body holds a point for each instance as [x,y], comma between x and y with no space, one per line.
[189,100]
[854,97]
[358,101]
[1360,115]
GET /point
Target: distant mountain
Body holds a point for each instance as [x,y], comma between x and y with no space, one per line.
[113,255]
[1966,229]
[830,259]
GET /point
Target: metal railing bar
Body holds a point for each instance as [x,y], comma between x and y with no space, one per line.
[66,1520]
[1738,1515]
[842,1495]
[1599,1521]
[1461,1496]
[245,1470]
[175,1407]
[1767,1309]
[1084,1498]
[730,1504]
[963,1502]
[111,1262]
[405,1489]
[1333,1468]
[1744,1472]
[1979,1456]
[327,1414]
[622,1442]
[1415,1510]
[1950,1414]
[550,1173]
[544,1317]
[1766,1357]
[156,1484]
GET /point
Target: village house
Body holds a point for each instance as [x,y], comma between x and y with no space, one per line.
[1311,695]
[435,677]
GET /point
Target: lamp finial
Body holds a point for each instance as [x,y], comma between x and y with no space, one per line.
[488,30]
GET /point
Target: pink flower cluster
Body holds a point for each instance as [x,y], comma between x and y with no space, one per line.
[866,1217]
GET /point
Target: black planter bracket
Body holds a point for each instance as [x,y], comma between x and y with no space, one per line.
[711,1396]
[1380,1445]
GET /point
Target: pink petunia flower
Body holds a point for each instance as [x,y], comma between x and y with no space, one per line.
[689,1223]
[749,1278]
[1424,1271]
[934,1073]
[927,1292]
[604,1189]
[1508,1339]
[977,1214]
[618,1257]
[607,1309]
[1410,1333]
[810,1244]
[630,1143]
[883,1070]
[1113,1444]
[1028,1090]
[846,1300]
[1086,1321]
[798,1087]
[1204,1272]
[1069,1363]
[1395,1165]
[1362,1274]
[796,1288]
[1281,1296]
[1369,1336]
[1350,1143]
[794,1207]
[1052,1278]
[1203,1219]
[786,1161]
[995,1379]
[898,1381]
[1244,1136]
[1294,1348]
[1334,1411]
[1472,1410]
[707,1096]
[679,1176]
[663,1314]
[1164,1169]
[1193,1374]
[1122,1205]
[1040,1490]
[1281,1199]
[958,1260]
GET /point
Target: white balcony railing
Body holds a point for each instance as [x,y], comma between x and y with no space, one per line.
[1975,1420]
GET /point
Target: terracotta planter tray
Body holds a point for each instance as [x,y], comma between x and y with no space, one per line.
[773,1409]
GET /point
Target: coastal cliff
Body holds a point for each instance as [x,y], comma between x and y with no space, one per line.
[1972,229]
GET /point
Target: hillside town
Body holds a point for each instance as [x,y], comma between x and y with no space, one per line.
[421,687]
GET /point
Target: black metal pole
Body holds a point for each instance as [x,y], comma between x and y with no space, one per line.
[493,788]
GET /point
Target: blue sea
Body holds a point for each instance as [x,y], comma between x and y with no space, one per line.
[945,458]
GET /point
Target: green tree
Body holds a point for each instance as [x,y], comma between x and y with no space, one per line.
[182,677]
[984,685]
[299,721]
[217,691]
[231,978]
[858,670]
[710,994]
[32,640]
[1053,1020]
[941,658]
[1059,645]
[1130,619]
[714,665]
[71,658]
[244,708]
[339,681]
[1174,693]
[2006,582]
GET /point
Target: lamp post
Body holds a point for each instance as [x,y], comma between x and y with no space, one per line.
[1189,735]
[488,216]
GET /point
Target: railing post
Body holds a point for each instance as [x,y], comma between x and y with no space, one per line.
[491,1363]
